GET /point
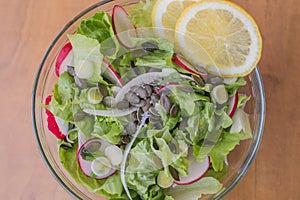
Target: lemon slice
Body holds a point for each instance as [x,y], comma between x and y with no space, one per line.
[165,14]
[223,30]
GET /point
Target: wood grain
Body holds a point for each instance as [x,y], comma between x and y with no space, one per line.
[28,27]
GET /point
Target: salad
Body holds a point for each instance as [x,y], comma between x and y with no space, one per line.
[135,118]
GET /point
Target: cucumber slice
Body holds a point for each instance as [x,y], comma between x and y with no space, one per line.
[164,180]
[94,95]
[101,166]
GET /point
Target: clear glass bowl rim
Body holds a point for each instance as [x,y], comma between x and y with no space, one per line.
[38,141]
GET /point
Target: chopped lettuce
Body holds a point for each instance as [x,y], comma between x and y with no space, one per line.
[86,50]
[69,161]
[186,101]
[206,185]
[99,27]
[108,128]
[61,104]
[242,100]
[222,148]
[232,88]
[141,13]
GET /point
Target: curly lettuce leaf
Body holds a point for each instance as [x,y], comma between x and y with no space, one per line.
[69,161]
[186,101]
[222,148]
[206,185]
[99,27]
[86,50]
[61,104]
[141,13]
[108,128]
[232,88]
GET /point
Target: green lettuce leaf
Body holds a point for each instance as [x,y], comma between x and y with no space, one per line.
[99,27]
[69,161]
[61,103]
[86,50]
[206,185]
[108,128]
[141,13]
[222,148]
[140,181]
[242,100]
[186,101]
[112,188]
[217,175]
[232,88]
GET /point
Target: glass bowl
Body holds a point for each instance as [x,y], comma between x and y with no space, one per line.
[240,158]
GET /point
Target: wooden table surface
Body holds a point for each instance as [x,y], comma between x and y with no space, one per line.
[27,28]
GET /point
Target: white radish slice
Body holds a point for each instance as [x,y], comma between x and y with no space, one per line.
[184,64]
[62,125]
[127,150]
[123,26]
[232,102]
[115,154]
[143,79]
[110,74]
[164,180]
[63,59]
[219,94]
[84,69]
[196,171]
[86,166]
[110,113]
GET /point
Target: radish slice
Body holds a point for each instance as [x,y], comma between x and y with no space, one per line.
[110,74]
[55,124]
[64,59]
[87,167]
[166,86]
[232,102]
[123,26]
[196,171]
[143,79]
[184,64]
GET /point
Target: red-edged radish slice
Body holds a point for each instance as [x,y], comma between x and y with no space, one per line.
[123,26]
[87,167]
[110,74]
[55,124]
[232,102]
[184,64]
[64,58]
[166,86]
[196,171]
